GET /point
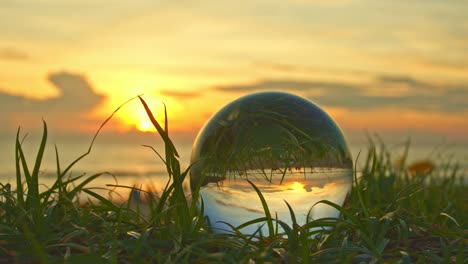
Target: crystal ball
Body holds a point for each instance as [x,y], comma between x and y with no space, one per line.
[286,145]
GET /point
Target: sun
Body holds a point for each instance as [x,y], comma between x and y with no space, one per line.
[145,126]
[142,122]
[296,186]
[135,116]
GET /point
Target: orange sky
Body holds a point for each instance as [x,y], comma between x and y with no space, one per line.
[374,66]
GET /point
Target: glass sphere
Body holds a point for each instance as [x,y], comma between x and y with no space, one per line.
[287,146]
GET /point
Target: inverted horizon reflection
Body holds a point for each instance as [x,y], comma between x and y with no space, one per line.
[287,146]
[234,200]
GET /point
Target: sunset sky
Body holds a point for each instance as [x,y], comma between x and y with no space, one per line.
[381,66]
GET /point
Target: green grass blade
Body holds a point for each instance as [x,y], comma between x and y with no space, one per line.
[19,181]
[59,174]
[37,165]
[251,222]
[292,234]
[156,152]
[342,210]
[94,138]
[291,213]
[166,125]
[236,230]
[101,199]
[80,186]
[269,220]
[23,163]
[58,185]
[358,189]
[33,185]
[158,127]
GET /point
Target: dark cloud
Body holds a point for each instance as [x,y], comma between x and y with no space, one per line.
[417,95]
[293,68]
[76,93]
[179,94]
[13,54]
[403,80]
[76,99]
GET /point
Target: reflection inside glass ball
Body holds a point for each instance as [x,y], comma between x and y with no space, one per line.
[287,146]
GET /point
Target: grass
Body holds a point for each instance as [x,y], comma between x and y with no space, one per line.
[390,217]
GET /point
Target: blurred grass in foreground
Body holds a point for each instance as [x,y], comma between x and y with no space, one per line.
[396,213]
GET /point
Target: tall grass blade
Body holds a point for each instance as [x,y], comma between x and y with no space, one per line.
[156,152]
[94,138]
[23,164]
[59,174]
[237,231]
[101,199]
[342,210]
[358,188]
[269,220]
[32,201]
[291,213]
[80,186]
[158,127]
[19,181]
[251,222]
[166,125]
[37,165]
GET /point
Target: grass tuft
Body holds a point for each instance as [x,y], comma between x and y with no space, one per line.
[394,214]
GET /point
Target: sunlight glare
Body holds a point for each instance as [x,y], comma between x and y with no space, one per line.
[296,186]
[136,117]
[145,126]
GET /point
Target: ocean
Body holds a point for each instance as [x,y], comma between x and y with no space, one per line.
[127,162]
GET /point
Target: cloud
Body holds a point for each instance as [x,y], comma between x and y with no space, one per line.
[13,55]
[403,80]
[402,92]
[76,93]
[69,110]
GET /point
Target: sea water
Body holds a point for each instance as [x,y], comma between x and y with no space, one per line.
[128,163]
